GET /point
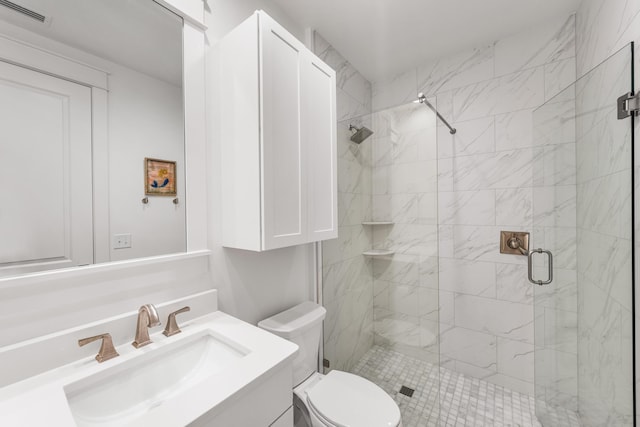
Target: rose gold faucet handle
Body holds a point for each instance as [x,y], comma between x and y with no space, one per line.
[172,326]
[107,350]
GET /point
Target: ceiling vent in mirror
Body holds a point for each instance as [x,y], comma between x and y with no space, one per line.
[23,10]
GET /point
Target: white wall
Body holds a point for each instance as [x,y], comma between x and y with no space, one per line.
[146,119]
[251,286]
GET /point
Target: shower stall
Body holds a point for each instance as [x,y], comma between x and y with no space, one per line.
[419,298]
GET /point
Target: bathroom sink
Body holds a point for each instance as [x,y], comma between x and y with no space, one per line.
[124,392]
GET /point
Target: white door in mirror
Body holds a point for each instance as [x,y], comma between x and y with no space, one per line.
[45,129]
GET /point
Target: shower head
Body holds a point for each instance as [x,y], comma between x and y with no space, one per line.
[359,134]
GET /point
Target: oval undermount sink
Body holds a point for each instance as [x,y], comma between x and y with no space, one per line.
[122,393]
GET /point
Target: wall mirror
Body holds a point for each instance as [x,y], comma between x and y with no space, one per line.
[77,187]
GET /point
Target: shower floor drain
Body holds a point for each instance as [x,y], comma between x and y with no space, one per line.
[406,391]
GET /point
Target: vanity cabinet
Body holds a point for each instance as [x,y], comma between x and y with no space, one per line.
[278,139]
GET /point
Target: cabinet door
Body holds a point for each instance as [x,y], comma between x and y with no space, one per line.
[319,132]
[283,154]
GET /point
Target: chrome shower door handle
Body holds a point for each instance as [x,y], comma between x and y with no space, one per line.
[530,266]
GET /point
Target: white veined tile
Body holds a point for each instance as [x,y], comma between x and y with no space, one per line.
[512,284]
[517,91]
[516,359]
[514,130]
[554,206]
[558,76]
[468,277]
[542,45]
[476,348]
[501,318]
[395,91]
[514,207]
[456,71]
[467,207]
[471,137]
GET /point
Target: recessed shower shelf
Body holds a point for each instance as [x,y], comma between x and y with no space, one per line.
[378,252]
[377,222]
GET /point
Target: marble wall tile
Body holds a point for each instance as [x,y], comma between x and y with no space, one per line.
[447,311]
[517,91]
[505,169]
[347,77]
[350,208]
[346,276]
[541,45]
[563,295]
[560,330]
[555,123]
[429,274]
[455,71]
[501,318]
[602,28]
[415,239]
[467,207]
[445,174]
[401,269]
[554,165]
[428,208]
[514,207]
[471,137]
[472,347]
[514,130]
[610,212]
[481,243]
[554,206]
[513,356]
[558,76]
[468,277]
[396,328]
[395,91]
[512,284]
[349,106]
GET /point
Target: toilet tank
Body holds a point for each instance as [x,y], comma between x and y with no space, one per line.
[302,325]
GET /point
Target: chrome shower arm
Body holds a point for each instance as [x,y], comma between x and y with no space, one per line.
[423,100]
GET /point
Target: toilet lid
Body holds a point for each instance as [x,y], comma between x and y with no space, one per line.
[349,400]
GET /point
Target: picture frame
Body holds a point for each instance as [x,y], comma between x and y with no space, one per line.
[159,177]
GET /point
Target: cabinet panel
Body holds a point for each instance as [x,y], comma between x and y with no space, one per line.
[283,155]
[319,130]
[279,139]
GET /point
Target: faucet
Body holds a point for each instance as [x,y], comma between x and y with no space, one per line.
[147,318]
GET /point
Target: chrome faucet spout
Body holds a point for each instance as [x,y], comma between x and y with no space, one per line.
[147,318]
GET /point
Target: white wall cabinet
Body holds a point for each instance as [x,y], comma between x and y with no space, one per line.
[279,139]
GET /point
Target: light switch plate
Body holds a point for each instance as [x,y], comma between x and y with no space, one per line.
[121,241]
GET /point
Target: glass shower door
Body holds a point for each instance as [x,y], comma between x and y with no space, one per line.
[582,205]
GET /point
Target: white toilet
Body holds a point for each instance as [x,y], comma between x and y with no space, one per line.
[338,399]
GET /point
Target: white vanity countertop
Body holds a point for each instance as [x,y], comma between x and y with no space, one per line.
[41,400]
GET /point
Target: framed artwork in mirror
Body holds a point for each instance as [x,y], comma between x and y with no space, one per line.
[159,177]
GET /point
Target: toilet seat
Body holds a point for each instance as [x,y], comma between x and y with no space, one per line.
[342,399]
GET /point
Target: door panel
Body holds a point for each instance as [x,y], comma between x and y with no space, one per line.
[582,213]
[45,170]
[283,153]
[319,131]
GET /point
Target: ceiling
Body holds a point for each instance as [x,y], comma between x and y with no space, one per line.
[139,34]
[384,37]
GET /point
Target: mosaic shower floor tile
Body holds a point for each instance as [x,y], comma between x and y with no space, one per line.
[463,401]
